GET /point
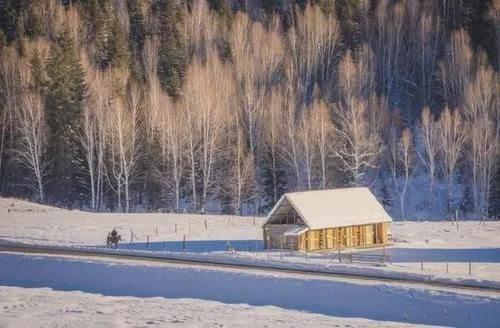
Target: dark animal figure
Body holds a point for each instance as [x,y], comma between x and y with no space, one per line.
[113,239]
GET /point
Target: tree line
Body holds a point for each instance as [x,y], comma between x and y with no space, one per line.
[225,105]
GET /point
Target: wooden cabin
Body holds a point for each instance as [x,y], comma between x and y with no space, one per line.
[327,219]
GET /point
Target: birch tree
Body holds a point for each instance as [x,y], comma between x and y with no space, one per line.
[210,88]
[93,131]
[429,139]
[257,55]
[273,145]
[241,171]
[456,70]
[124,123]
[406,148]
[322,137]
[9,83]
[30,119]
[357,144]
[313,41]
[291,145]
[357,133]
[307,145]
[452,136]
[171,133]
[483,117]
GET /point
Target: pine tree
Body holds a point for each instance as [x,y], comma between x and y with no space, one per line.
[327,6]
[137,30]
[119,51]
[495,196]
[273,179]
[38,80]
[3,39]
[8,19]
[348,14]
[111,40]
[270,6]
[103,26]
[172,54]
[66,91]
[33,24]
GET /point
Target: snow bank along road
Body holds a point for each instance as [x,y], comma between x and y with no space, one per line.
[44,307]
[314,294]
[260,266]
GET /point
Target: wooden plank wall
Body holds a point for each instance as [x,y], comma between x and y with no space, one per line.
[345,237]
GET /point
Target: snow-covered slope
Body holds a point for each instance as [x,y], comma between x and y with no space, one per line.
[37,224]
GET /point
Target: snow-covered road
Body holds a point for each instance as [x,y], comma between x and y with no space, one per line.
[322,296]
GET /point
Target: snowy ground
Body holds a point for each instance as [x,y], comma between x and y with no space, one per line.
[44,307]
[333,297]
[432,244]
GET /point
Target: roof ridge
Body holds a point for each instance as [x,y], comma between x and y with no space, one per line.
[325,190]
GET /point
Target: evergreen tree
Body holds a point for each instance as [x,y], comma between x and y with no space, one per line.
[225,19]
[8,19]
[137,30]
[172,54]
[327,6]
[66,91]
[273,180]
[270,6]
[348,14]
[3,39]
[37,72]
[119,51]
[33,23]
[495,196]
[111,40]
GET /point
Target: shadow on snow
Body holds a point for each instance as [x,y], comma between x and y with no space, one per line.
[329,297]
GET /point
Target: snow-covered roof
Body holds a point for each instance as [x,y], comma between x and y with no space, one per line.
[331,208]
[296,231]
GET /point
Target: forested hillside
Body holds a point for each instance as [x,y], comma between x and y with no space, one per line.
[222,106]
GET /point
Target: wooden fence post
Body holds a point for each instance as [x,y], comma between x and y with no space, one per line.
[447,269]
[206,228]
[470,268]
[184,243]
[281,249]
[147,243]
[421,265]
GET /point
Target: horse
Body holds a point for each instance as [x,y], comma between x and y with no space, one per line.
[113,239]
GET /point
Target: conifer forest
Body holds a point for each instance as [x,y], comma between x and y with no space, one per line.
[222,106]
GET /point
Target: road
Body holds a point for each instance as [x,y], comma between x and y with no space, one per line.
[259,267]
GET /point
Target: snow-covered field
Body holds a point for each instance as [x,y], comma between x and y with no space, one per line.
[44,307]
[431,244]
